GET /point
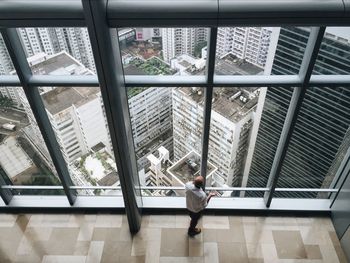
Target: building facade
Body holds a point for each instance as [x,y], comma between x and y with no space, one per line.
[321,135]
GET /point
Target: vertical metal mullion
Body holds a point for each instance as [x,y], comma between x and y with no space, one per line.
[208,93]
[105,45]
[307,65]
[20,63]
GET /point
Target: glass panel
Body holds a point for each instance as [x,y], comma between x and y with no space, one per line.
[253,50]
[167,131]
[78,119]
[268,120]
[163,51]
[320,140]
[58,51]
[334,54]
[232,118]
[24,158]
[6,66]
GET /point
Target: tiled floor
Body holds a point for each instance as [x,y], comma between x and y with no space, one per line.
[163,239]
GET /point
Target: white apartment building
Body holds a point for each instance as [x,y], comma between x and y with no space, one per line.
[147,33]
[231,119]
[5,60]
[74,41]
[76,114]
[248,43]
[77,119]
[179,41]
[151,120]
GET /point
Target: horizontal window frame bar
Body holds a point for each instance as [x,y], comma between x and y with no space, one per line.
[53,203]
[255,189]
[18,13]
[164,81]
[180,81]
[257,81]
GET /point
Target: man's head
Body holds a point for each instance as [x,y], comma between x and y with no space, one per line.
[198,181]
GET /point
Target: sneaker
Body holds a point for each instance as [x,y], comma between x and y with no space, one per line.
[196,231]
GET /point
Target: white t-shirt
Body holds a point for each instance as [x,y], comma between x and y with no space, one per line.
[196,199]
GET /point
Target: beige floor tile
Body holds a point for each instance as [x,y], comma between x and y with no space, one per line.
[223,235]
[195,247]
[38,233]
[81,248]
[329,254]
[289,245]
[163,238]
[162,221]
[315,236]
[106,220]
[139,247]
[256,234]
[340,253]
[56,220]
[216,222]
[209,235]
[7,220]
[95,252]
[254,251]
[181,260]
[86,231]
[60,259]
[269,253]
[210,252]
[152,251]
[182,221]
[35,220]
[149,234]
[106,234]
[174,243]
[32,258]
[232,252]
[313,252]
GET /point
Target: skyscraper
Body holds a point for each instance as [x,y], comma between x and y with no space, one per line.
[178,41]
[322,129]
[249,43]
[75,41]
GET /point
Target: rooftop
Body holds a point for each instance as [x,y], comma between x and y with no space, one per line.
[188,167]
[59,64]
[231,65]
[62,98]
[233,103]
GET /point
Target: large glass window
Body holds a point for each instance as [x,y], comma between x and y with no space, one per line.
[254,50]
[319,142]
[58,50]
[6,65]
[24,158]
[167,130]
[164,51]
[334,55]
[78,119]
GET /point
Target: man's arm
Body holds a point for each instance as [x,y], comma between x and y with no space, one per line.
[211,194]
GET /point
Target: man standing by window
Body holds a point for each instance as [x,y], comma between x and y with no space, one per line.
[196,201]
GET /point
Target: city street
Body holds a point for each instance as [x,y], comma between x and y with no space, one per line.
[15,117]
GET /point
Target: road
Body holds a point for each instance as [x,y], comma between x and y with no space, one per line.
[12,116]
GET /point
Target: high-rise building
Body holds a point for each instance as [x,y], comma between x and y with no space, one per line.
[248,43]
[179,41]
[5,61]
[321,135]
[75,41]
[75,113]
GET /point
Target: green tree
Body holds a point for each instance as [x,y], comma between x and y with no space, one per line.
[198,48]
[6,102]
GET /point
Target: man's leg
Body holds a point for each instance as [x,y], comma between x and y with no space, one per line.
[194,221]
